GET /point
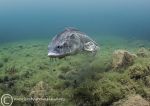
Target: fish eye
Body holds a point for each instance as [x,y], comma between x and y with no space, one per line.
[58,46]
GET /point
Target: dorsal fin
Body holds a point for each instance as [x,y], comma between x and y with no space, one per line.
[71,29]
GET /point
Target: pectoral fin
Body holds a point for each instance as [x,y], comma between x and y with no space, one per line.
[90,46]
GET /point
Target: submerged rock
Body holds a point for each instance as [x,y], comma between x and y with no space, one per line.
[133,100]
[39,91]
[137,71]
[142,52]
[122,58]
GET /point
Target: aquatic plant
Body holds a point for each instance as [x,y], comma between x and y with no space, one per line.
[1,64]
[42,66]
[83,97]
[99,93]
[27,55]
[11,70]
[80,80]
[64,68]
[5,48]
[111,87]
[100,65]
[20,46]
[35,45]
[7,82]
[137,71]
[5,59]
[61,76]
[70,75]
[147,81]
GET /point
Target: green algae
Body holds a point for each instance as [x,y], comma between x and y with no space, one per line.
[80,79]
[1,64]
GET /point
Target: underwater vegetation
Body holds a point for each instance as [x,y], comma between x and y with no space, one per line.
[1,64]
[119,75]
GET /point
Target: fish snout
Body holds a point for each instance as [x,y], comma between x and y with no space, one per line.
[55,55]
[51,54]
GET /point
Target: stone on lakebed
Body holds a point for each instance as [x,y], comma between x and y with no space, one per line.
[122,58]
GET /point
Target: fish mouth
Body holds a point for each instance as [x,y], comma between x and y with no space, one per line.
[55,55]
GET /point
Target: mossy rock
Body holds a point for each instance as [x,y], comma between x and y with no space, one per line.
[137,71]
[101,93]
[82,96]
[122,58]
[143,52]
[132,100]
[39,91]
[109,91]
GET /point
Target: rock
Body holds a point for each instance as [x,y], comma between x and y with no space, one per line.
[138,71]
[122,58]
[142,52]
[39,91]
[133,100]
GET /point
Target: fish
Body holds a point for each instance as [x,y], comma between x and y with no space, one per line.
[70,42]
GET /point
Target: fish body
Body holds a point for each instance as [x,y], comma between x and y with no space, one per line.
[70,42]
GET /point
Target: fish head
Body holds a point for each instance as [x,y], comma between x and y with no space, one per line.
[63,45]
[58,50]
